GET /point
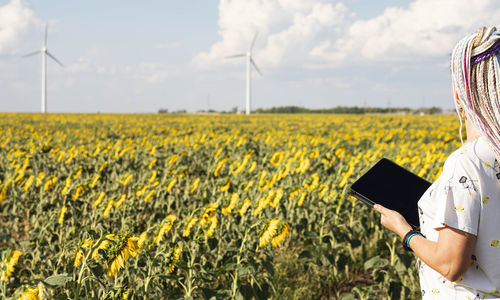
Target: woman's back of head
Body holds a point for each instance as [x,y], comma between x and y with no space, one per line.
[475,70]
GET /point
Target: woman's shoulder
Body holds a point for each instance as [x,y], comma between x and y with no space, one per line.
[474,158]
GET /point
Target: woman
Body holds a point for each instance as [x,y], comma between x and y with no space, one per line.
[458,246]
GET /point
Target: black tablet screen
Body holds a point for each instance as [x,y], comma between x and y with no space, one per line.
[392,186]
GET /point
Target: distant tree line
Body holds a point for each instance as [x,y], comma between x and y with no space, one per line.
[335,110]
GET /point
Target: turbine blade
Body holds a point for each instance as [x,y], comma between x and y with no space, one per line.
[31,54]
[236,55]
[55,59]
[46,34]
[253,41]
[255,66]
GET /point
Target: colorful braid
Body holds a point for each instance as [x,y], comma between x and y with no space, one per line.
[475,71]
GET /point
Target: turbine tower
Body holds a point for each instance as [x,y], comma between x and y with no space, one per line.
[250,62]
[44,52]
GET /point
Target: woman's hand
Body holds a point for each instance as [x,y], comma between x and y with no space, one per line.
[393,220]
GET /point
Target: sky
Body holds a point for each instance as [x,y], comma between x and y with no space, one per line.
[123,56]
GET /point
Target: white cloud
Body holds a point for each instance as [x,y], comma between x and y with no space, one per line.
[15,21]
[427,28]
[288,29]
[318,34]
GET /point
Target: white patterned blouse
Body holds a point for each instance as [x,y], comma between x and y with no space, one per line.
[467,197]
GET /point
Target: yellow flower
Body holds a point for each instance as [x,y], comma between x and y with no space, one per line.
[248,186]
[151,164]
[79,190]
[494,243]
[173,159]
[126,179]
[208,213]
[108,208]
[120,255]
[194,186]
[244,207]
[190,225]
[277,198]
[164,228]
[10,263]
[226,186]
[79,253]
[232,204]
[268,232]
[50,183]
[213,224]
[142,239]
[29,182]
[141,191]
[171,185]
[39,179]
[152,177]
[301,199]
[61,214]
[219,166]
[99,199]
[103,245]
[176,255]
[280,237]
[104,164]
[120,200]
[31,294]
[252,166]
[276,159]
[314,182]
[149,195]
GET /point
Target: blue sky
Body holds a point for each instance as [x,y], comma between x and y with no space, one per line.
[140,56]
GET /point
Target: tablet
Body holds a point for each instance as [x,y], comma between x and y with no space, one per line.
[392,186]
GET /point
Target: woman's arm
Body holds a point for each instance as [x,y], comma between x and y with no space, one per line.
[450,255]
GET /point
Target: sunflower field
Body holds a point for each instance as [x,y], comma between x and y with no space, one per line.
[177,206]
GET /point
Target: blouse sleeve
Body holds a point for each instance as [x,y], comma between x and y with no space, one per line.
[458,199]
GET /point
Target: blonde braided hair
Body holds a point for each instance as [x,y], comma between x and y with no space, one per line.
[475,71]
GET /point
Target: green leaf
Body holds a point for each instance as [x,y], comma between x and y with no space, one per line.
[57,280]
[376,262]
[305,254]
[347,297]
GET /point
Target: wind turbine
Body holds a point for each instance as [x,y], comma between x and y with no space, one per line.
[250,62]
[44,52]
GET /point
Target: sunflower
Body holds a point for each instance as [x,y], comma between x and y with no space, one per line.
[190,225]
[61,214]
[301,198]
[277,198]
[94,181]
[149,195]
[226,186]
[194,186]
[175,258]
[232,204]
[219,166]
[280,237]
[213,224]
[10,263]
[268,232]
[79,253]
[208,213]
[99,199]
[35,293]
[120,252]
[164,228]
[103,245]
[142,239]
[244,207]
[108,208]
